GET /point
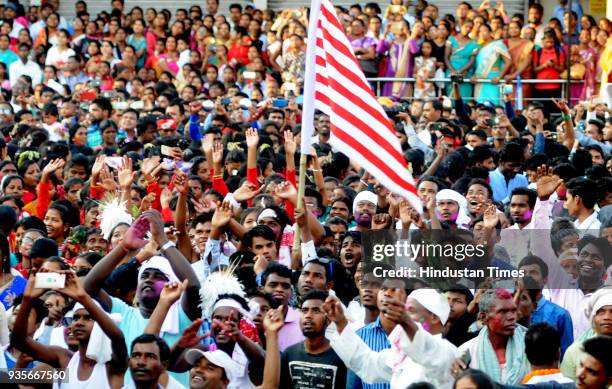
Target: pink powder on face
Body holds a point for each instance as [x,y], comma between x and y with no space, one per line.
[425,325]
[527,215]
[158,286]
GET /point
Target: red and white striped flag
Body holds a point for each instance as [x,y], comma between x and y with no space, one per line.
[335,84]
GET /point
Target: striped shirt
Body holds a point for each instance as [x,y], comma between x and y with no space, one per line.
[376,338]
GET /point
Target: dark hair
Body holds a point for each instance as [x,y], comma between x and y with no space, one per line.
[275,268]
[8,218]
[258,231]
[326,266]
[481,182]
[43,248]
[530,193]
[512,152]
[560,229]
[5,253]
[164,350]
[104,104]
[602,245]
[542,344]
[55,259]
[481,379]
[599,348]
[315,294]
[585,188]
[535,260]
[461,289]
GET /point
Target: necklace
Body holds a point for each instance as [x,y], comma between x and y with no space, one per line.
[539,372]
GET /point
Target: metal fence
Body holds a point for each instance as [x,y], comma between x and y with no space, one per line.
[378,81]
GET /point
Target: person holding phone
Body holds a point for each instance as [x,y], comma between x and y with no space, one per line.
[100,371]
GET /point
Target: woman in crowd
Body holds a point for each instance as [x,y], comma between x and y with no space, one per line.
[460,56]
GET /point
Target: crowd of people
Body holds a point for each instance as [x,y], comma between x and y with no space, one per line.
[151,233]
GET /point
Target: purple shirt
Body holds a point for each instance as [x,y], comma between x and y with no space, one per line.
[364,42]
[290,333]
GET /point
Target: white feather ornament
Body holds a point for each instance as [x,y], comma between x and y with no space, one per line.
[112,213]
[218,283]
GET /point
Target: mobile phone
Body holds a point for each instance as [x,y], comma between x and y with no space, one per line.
[114,162]
[50,280]
[225,101]
[280,103]
[166,150]
[137,105]
[507,89]
[248,75]
[245,103]
[466,358]
[95,83]
[88,96]
[120,105]
[437,126]
[208,105]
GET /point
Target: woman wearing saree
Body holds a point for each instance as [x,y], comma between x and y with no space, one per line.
[520,53]
[492,63]
[585,59]
[401,51]
[459,58]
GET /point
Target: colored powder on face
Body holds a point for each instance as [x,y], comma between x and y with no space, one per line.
[363,219]
[454,216]
[158,286]
[496,324]
[425,325]
[527,215]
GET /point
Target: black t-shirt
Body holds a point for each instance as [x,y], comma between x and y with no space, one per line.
[301,370]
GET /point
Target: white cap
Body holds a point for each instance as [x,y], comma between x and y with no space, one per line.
[365,195]
[433,301]
[217,358]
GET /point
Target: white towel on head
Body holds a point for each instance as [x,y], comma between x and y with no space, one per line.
[463,220]
[99,347]
[171,322]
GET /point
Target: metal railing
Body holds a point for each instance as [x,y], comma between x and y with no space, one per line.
[378,81]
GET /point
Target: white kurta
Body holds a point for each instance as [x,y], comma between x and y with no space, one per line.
[426,358]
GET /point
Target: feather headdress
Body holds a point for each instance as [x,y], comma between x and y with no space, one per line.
[112,213]
[218,283]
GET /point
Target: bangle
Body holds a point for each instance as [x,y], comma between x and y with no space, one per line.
[166,246]
[566,116]
[315,170]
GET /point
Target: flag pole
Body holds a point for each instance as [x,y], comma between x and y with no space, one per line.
[300,199]
[308,108]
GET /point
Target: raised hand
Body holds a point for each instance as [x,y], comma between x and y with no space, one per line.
[31,291]
[562,105]
[285,190]
[97,166]
[261,263]
[52,167]
[147,201]
[202,205]
[290,145]
[151,166]
[490,219]
[190,336]
[207,143]
[381,221]
[134,236]
[107,180]
[73,287]
[252,138]
[274,320]
[217,154]
[156,225]
[125,174]
[334,312]
[247,191]
[395,310]
[148,251]
[166,196]
[181,182]
[172,291]
[223,214]
[405,208]
[546,183]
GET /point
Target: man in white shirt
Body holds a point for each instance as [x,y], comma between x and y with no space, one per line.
[24,66]
[581,199]
[418,352]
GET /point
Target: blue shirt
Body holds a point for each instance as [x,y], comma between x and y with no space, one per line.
[94,136]
[556,316]
[560,10]
[501,188]
[376,338]
[8,57]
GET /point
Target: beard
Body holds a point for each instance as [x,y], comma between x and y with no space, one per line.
[363,219]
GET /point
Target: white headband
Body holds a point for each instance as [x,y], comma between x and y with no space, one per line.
[268,212]
[231,303]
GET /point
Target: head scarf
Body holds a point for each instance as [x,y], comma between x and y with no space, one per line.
[463,220]
[99,347]
[365,195]
[171,322]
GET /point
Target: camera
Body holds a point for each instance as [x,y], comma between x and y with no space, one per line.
[392,112]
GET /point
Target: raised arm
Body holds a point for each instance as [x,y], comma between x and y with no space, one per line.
[171,292]
[75,290]
[54,356]
[181,267]
[180,215]
[272,323]
[133,240]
